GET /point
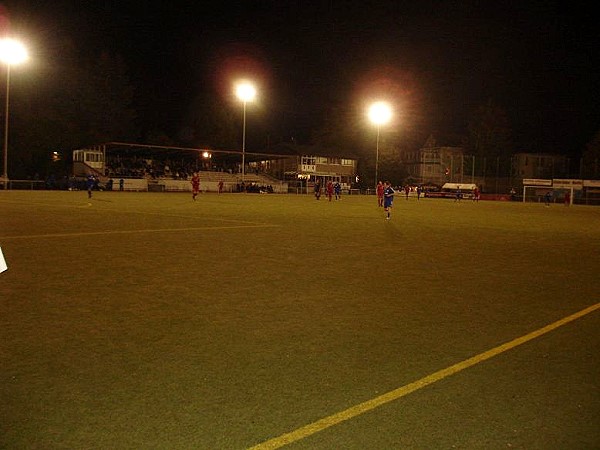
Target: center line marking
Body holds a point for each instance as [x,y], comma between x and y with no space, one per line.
[381,400]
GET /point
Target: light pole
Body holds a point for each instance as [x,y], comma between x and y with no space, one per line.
[380,113]
[11,52]
[246,93]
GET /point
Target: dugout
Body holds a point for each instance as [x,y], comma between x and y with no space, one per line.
[449,190]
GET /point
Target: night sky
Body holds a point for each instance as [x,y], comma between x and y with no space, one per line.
[435,60]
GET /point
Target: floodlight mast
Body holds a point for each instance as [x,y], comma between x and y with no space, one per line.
[380,113]
[12,52]
[246,92]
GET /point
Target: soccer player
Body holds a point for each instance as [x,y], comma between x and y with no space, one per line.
[195,185]
[91,181]
[337,187]
[458,194]
[380,189]
[318,190]
[329,190]
[388,199]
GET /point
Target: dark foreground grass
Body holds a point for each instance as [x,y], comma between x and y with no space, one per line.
[140,320]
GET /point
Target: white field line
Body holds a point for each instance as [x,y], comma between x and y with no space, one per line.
[87,205]
[151,230]
[361,408]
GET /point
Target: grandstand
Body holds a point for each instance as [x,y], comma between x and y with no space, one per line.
[161,168]
[158,168]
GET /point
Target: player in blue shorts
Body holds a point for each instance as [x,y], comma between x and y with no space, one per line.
[388,199]
[90,184]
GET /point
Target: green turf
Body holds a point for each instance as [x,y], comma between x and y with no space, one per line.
[147,320]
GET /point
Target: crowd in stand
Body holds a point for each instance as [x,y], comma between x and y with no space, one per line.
[149,168]
[254,188]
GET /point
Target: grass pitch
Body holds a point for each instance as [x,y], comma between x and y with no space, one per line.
[147,320]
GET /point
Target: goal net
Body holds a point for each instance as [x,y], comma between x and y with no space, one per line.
[537,194]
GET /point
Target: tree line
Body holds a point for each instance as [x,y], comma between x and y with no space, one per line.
[81,100]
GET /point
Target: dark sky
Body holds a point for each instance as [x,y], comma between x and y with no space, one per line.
[435,60]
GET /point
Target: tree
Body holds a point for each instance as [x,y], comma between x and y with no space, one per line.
[211,124]
[341,133]
[489,132]
[592,149]
[591,158]
[68,102]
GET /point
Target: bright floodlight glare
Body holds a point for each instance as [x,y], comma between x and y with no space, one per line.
[245,92]
[12,52]
[380,113]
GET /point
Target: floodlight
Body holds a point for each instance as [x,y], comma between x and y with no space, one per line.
[380,113]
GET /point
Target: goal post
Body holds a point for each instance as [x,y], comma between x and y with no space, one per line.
[536,194]
[534,190]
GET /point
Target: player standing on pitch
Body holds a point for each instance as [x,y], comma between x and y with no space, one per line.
[195,185]
[388,199]
[380,188]
[91,180]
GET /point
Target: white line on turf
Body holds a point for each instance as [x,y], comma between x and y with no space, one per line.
[154,230]
[376,402]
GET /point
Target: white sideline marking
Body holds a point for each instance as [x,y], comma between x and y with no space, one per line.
[145,213]
[155,230]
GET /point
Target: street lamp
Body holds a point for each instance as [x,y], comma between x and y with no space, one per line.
[380,113]
[11,53]
[246,93]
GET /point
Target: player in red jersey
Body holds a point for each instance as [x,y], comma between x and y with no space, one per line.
[380,189]
[195,185]
[329,190]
